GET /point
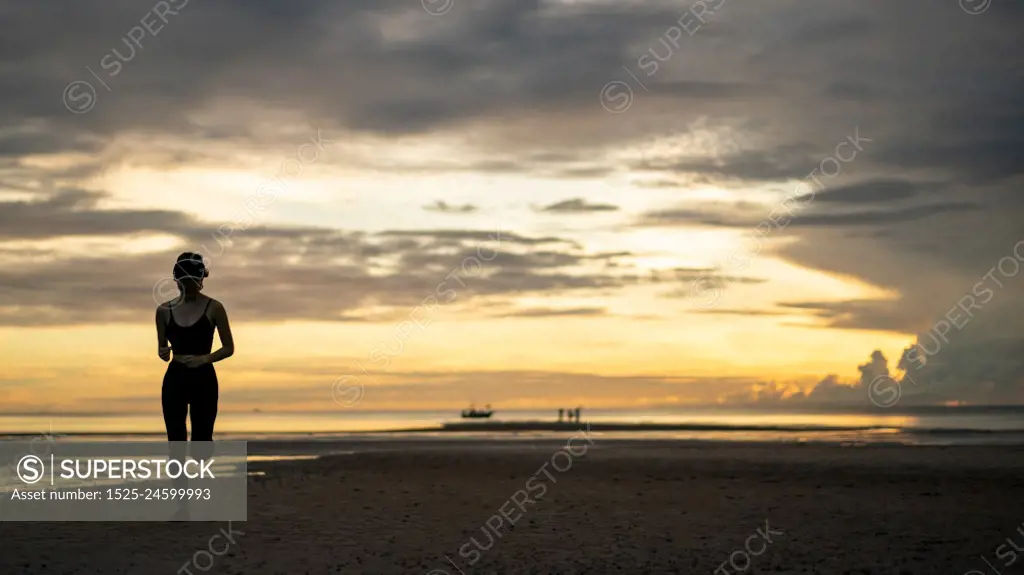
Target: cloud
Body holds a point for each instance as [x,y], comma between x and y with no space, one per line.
[444,208]
[968,371]
[440,235]
[518,82]
[742,312]
[73,212]
[829,391]
[743,216]
[778,163]
[335,276]
[765,392]
[872,191]
[578,205]
[965,372]
[878,217]
[330,274]
[888,315]
[554,312]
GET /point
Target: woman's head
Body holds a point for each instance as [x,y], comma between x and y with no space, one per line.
[189,271]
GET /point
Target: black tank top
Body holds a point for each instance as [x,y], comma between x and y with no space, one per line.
[196,339]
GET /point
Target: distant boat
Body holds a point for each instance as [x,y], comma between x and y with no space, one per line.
[474,413]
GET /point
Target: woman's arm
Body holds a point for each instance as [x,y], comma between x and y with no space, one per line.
[162,349]
[220,321]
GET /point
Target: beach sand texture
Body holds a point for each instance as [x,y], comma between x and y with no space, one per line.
[619,507]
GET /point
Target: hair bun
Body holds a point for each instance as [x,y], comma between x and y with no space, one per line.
[190,265]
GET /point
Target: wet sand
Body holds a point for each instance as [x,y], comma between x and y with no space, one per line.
[439,507]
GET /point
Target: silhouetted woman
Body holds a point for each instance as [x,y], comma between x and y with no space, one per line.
[187,323]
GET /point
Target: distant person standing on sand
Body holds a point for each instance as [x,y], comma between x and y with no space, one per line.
[187,324]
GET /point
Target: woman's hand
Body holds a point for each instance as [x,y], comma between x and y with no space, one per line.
[192,361]
[164,352]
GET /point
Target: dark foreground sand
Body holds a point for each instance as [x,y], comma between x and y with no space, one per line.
[621,507]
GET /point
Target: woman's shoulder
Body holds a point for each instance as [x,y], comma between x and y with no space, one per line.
[214,305]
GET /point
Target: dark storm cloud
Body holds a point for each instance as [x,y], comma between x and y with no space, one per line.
[852,91]
[384,66]
[873,191]
[967,352]
[389,67]
[686,89]
[937,90]
[14,145]
[974,371]
[974,143]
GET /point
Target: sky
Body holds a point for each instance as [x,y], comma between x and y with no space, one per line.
[417,205]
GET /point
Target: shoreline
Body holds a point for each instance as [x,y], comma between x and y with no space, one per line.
[512,427]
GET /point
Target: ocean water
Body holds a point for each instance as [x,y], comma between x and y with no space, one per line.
[283,436]
[922,425]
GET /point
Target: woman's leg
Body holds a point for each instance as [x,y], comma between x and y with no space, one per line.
[175,405]
[204,414]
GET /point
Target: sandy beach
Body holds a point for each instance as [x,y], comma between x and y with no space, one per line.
[440,507]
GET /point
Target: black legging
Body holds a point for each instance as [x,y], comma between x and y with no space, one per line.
[193,393]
